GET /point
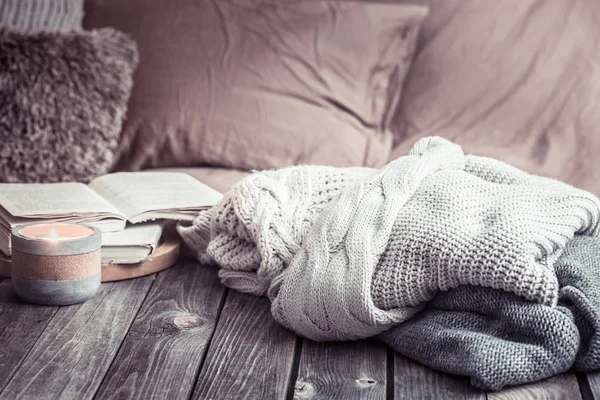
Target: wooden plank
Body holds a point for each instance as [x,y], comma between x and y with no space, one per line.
[164,348]
[342,370]
[592,386]
[250,356]
[75,350]
[21,325]
[415,381]
[557,388]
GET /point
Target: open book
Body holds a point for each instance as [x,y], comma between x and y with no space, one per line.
[108,202]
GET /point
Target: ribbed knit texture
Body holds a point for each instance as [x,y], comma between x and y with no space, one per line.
[259,225]
[499,339]
[490,225]
[38,15]
[430,221]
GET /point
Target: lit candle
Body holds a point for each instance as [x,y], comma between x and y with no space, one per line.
[56,263]
[55,231]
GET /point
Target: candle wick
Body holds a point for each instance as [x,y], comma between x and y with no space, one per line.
[53,234]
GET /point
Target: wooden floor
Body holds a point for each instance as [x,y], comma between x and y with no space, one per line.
[180,335]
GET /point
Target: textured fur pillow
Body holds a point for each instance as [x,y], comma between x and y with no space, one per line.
[63,98]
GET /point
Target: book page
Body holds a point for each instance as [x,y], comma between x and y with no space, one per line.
[52,199]
[135,193]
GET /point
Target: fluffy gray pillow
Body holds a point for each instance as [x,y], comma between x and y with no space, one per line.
[63,98]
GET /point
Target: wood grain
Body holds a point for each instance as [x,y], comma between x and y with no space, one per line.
[557,388]
[72,355]
[415,381]
[21,325]
[250,356]
[164,348]
[342,370]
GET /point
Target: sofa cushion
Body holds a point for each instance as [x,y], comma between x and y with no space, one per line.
[221,179]
[261,84]
[515,79]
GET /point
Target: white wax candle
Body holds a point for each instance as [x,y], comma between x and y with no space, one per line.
[56,231]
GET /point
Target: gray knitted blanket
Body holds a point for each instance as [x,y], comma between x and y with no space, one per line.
[499,339]
[350,253]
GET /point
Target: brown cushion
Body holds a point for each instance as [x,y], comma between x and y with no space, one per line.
[261,84]
[514,79]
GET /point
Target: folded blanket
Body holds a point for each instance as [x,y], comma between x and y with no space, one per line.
[499,339]
[428,222]
[348,253]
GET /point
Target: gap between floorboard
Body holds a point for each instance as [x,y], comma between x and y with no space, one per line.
[295,367]
[389,393]
[584,386]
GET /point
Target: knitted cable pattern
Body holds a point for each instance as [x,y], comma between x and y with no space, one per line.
[260,224]
[427,222]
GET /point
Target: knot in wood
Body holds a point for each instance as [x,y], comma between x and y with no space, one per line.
[365,382]
[303,389]
[187,321]
[179,321]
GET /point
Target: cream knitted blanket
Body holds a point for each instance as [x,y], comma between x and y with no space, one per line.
[370,254]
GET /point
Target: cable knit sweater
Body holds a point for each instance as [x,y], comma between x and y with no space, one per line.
[369,252]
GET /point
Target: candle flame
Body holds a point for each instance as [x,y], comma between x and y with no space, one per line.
[53,234]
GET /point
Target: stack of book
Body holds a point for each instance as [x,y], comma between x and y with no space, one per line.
[130,208]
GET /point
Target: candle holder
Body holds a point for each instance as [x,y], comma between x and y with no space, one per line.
[56,263]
